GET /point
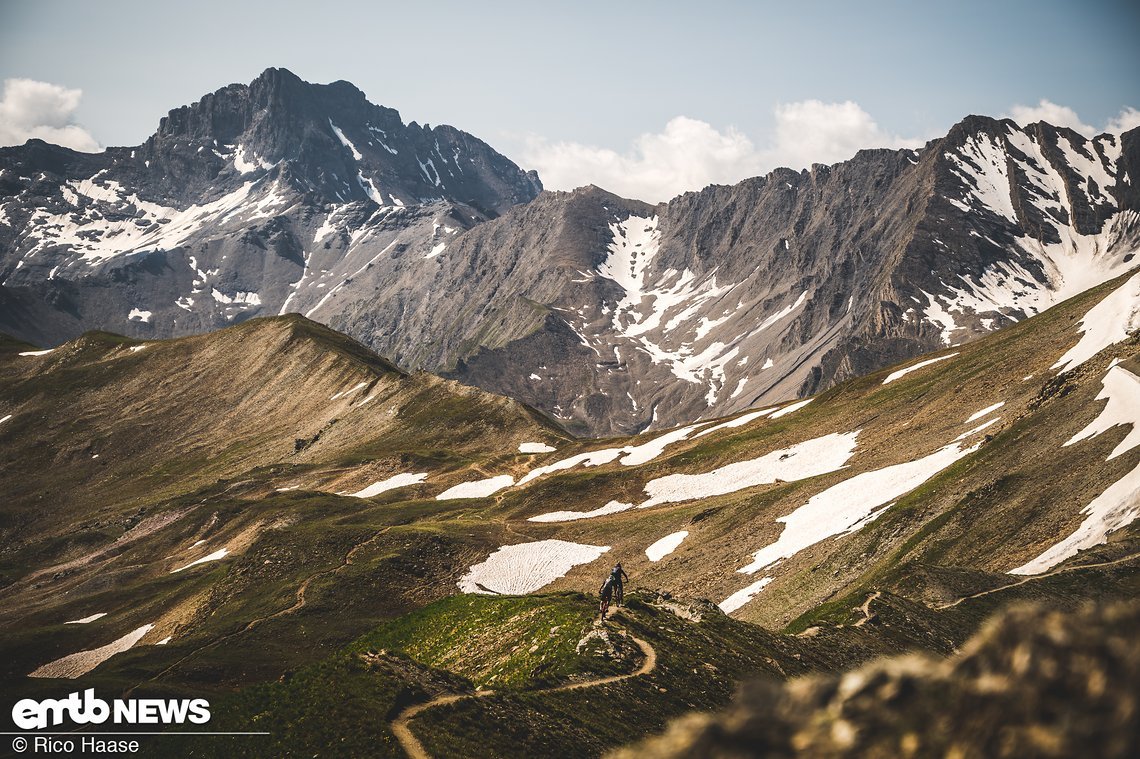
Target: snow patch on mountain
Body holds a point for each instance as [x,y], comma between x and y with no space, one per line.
[648,300]
[984,412]
[82,662]
[392,483]
[245,166]
[221,553]
[87,620]
[848,506]
[982,167]
[477,488]
[666,545]
[739,421]
[976,430]
[613,507]
[1106,323]
[526,567]
[632,455]
[113,222]
[915,367]
[1119,505]
[536,448]
[743,596]
[1042,271]
[1121,390]
[800,461]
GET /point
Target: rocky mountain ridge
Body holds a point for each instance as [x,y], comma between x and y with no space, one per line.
[258,199]
[781,286]
[609,315]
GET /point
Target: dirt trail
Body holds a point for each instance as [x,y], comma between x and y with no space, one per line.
[866,609]
[1033,578]
[299,601]
[401,727]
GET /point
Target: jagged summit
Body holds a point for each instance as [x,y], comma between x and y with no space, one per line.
[247,202]
[335,143]
[609,314]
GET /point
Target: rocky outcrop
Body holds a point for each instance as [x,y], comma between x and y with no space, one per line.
[1032,683]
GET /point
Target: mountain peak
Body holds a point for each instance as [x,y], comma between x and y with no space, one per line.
[338,146]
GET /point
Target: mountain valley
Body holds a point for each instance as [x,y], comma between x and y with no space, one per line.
[330,535]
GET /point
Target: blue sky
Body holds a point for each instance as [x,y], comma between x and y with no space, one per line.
[606,90]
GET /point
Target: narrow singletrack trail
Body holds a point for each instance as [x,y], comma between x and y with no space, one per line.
[401,727]
[299,601]
[868,615]
[1034,578]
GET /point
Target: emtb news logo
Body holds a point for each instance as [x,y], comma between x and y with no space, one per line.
[29,714]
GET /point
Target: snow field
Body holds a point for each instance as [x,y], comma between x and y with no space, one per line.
[977,429]
[984,412]
[915,367]
[536,448]
[590,458]
[219,554]
[800,461]
[789,409]
[350,391]
[613,507]
[526,567]
[739,421]
[640,454]
[666,545]
[1116,507]
[397,481]
[743,596]
[1121,388]
[632,455]
[1106,323]
[1119,505]
[87,620]
[82,662]
[477,488]
[849,505]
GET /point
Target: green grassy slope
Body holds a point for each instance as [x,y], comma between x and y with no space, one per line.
[236,439]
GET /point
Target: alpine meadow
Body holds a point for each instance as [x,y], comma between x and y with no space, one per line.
[326,432]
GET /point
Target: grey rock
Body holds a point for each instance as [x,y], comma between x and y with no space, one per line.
[610,315]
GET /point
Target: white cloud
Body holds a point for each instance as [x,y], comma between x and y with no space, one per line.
[1050,113]
[1128,118]
[812,131]
[42,110]
[1063,115]
[690,154]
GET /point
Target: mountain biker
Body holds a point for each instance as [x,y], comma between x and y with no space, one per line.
[606,592]
[616,576]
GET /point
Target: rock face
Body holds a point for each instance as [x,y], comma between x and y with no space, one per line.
[1032,683]
[610,315]
[259,199]
[783,285]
